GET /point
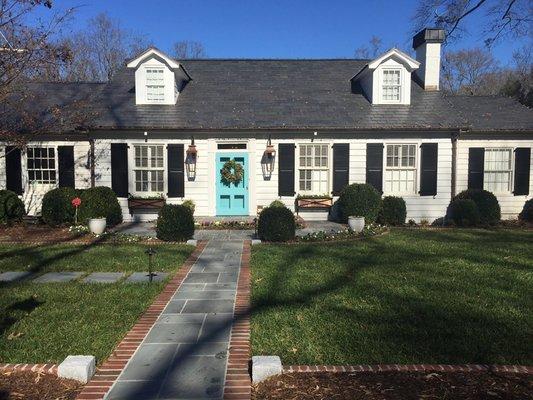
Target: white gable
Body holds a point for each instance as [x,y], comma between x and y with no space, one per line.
[387,79]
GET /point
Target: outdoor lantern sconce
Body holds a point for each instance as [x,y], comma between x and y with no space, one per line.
[190,160]
[267,162]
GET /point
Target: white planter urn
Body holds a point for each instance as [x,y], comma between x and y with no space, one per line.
[97,225]
[356,224]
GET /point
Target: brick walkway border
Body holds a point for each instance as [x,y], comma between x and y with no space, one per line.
[44,368]
[109,371]
[519,369]
[238,382]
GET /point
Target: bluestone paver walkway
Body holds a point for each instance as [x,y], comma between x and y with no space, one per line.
[184,356]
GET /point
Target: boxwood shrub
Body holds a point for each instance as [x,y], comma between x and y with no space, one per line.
[276,224]
[57,208]
[487,205]
[175,223]
[527,212]
[464,212]
[359,200]
[393,211]
[11,207]
[99,202]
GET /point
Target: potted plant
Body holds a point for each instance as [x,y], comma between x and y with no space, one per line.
[356,224]
[97,225]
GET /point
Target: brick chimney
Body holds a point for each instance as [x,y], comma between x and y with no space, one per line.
[427,44]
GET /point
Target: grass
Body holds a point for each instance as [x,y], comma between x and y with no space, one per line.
[46,322]
[412,296]
[90,257]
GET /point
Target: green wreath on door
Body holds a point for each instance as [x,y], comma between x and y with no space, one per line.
[231,172]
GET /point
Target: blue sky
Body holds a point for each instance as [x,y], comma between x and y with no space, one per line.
[271,28]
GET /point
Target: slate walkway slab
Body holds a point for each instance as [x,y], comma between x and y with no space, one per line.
[104,277]
[14,276]
[57,277]
[184,356]
[141,277]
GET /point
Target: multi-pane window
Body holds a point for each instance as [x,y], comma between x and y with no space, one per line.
[313,168]
[149,168]
[391,85]
[41,163]
[400,171]
[155,85]
[498,170]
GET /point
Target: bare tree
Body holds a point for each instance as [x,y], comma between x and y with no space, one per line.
[371,50]
[504,18]
[99,51]
[519,81]
[187,49]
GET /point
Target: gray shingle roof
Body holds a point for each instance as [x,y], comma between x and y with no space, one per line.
[286,94]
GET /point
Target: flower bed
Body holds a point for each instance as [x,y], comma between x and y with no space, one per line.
[344,234]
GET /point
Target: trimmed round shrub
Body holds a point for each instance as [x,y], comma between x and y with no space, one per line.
[11,207]
[57,208]
[277,203]
[487,205]
[190,204]
[464,212]
[276,224]
[99,202]
[359,200]
[175,223]
[527,212]
[393,211]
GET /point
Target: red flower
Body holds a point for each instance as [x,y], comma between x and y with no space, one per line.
[76,201]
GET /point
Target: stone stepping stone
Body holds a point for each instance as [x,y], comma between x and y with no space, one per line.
[142,277]
[13,276]
[104,277]
[55,277]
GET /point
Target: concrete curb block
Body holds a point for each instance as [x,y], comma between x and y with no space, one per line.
[264,367]
[255,241]
[79,368]
[192,242]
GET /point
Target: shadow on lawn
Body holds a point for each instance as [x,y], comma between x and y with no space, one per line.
[17,311]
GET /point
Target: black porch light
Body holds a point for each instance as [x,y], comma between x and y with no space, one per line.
[190,160]
[267,163]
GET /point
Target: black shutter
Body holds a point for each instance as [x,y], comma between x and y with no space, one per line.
[13,170]
[119,169]
[374,165]
[522,160]
[341,166]
[286,169]
[65,155]
[428,172]
[476,165]
[176,177]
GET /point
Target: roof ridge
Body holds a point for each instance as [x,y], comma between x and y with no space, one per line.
[274,59]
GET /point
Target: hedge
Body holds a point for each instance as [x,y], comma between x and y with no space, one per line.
[11,207]
[359,200]
[393,211]
[175,223]
[527,212]
[487,205]
[57,206]
[276,224]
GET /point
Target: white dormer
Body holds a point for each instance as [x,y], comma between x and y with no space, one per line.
[158,78]
[387,79]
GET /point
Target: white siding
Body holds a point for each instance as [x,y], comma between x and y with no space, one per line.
[510,204]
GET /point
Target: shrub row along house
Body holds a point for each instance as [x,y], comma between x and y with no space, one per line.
[234,135]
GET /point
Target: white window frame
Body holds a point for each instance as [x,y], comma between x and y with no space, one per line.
[150,85]
[399,85]
[313,167]
[135,168]
[55,169]
[509,171]
[399,167]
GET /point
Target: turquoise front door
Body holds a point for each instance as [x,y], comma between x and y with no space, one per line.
[232,198]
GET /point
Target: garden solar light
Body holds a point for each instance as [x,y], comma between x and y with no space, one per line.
[150,252]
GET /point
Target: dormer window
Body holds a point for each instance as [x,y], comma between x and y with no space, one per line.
[155,85]
[391,89]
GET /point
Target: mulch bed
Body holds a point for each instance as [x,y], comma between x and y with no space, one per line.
[37,386]
[38,233]
[396,385]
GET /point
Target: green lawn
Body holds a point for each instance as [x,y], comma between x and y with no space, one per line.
[47,322]
[412,296]
[109,257]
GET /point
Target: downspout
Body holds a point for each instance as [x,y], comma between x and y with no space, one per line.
[455,137]
[91,162]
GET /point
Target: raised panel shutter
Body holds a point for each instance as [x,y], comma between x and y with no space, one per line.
[374,165]
[176,176]
[476,165]
[119,169]
[65,155]
[13,170]
[286,169]
[341,166]
[428,172]
[522,165]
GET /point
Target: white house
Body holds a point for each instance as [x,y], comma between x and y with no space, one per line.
[165,128]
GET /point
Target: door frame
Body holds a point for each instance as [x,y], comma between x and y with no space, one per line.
[247,173]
